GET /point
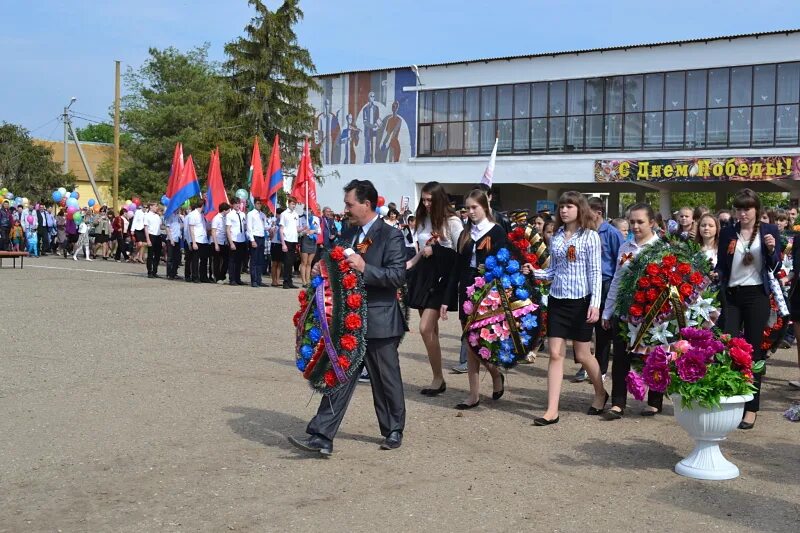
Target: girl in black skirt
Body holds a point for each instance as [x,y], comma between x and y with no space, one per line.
[438,229]
[574,300]
[480,239]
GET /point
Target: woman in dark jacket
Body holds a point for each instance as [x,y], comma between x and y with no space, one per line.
[748,251]
[481,238]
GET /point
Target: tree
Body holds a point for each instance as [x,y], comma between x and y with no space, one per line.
[97,133]
[176,97]
[271,75]
[27,169]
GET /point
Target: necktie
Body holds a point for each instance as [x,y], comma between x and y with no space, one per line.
[241,229]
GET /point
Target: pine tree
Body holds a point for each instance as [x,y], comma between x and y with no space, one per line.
[271,76]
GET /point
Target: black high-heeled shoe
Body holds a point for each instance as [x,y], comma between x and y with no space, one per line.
[499,394]
[464,406]
[747,425]
[542,421]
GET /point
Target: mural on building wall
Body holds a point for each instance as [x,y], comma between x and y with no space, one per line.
[365,117]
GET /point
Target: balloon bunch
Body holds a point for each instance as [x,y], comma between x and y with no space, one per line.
[5,194]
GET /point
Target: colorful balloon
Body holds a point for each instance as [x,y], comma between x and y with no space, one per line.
[242,194]
[63,191]
[187,204]
[96,208]
[164,200]
[131,207]
[381,201]
[72,202]
[136,201]
[30,219]
[75,194]
[57,196]
[92,201]
[77,217]
[71,209]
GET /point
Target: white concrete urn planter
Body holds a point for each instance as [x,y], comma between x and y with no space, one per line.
[707,427]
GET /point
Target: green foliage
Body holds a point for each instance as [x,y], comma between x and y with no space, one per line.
[96,133]
[177,97]
[27,169]
[720,381]
[270,75]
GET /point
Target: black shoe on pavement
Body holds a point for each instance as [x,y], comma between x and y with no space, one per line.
[313,444]
[393,441]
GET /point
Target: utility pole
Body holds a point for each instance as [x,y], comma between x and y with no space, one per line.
[115,182]
[65,119]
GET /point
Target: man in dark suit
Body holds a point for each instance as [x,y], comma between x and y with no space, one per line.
[381,260]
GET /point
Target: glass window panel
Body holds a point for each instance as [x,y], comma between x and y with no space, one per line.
[633,131]
[556,135]
[574,134]
[763,125]
[675,89]
[505,136]
[426,107]
[439,107]
[788,83]
[455,138]
[614,95]
[594,96]
[471,138]
[539,135]
[696,89]
[613,132]
[472,102]
[505,101]
[654,92]
[717,134]
[653,129]
[741,85]
[488,102]
[539,100]
[594,132]
[763,85]
[786,125]
[718,88]
[424,140]
[522,135]
[456,105]
[633,93]
[739,126]
[673,129]
[696,129]
[522,100]
[558,95]
[488,135]
[575,97]
[439,139]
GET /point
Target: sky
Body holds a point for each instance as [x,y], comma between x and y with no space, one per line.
[52,50]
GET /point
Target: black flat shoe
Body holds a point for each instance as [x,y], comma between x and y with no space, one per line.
[464,406]
[393,441]
[648,412]
[595,411]
[434,392]
[498,395]
[313,444]
[613,415]
[541,421]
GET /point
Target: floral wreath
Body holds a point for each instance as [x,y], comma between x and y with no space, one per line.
[666,288]
[501,317]
[528,245]
[331,324]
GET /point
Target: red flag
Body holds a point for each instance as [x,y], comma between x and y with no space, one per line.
[215,188]
[175,170]
[274,176]
[305,187]
[258,185]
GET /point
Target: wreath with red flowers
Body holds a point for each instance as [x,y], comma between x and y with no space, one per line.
[775,331]
[528,245]
[331,324]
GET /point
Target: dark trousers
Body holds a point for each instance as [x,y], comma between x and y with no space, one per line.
[187,262]
[154,254]
[236,259]
[44,240]
[619,371]
[257,261]
[288,262]
[201,259]
[220,258]
[604,338]
[383,365]
[4,243]
[747,308]
[173,259]
[122,247]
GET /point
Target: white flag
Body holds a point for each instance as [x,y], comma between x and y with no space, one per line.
[488,174]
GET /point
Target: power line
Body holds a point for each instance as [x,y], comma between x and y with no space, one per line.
[45,124]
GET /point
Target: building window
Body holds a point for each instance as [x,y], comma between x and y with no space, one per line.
[725,107]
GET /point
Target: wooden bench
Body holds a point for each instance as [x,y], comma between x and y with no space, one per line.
[13,256]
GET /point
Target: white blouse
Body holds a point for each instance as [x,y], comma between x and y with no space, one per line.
[746,275]
[447,238]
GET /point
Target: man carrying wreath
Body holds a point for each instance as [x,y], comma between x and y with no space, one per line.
[378,252]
